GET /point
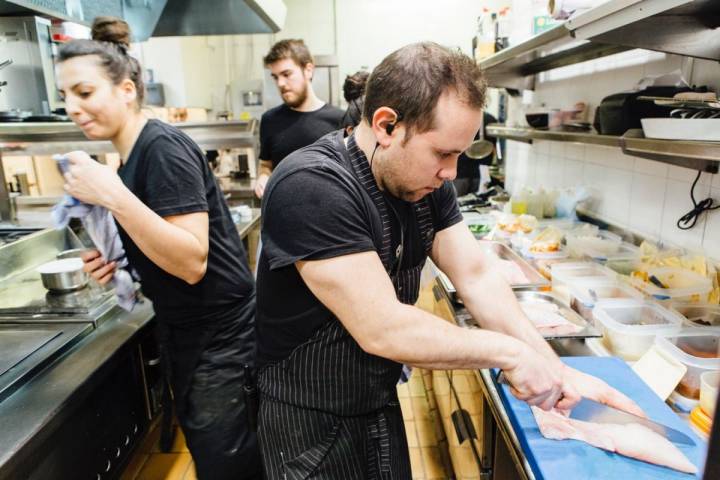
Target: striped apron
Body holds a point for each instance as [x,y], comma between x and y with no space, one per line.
[330,410]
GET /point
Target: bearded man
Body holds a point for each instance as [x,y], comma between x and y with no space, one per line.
[302,118]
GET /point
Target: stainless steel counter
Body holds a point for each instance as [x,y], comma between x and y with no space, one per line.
[245,226]
[34,411]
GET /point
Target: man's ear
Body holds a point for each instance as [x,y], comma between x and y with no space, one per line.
[309,71]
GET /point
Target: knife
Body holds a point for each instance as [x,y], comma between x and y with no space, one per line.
[588,410]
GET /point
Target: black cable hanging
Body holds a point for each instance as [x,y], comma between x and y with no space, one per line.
[688,221]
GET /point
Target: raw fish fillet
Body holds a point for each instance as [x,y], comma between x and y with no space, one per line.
[547,319]
[631,440]
[512,273]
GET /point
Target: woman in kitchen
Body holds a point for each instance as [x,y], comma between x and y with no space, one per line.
[180,238]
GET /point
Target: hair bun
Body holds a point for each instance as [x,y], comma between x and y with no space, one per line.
[354,86]
[111,29]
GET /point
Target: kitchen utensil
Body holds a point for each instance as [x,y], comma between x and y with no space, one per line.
[655,281]
[591,411]
[73,253]
[480,149]
[64,275]
[588,410]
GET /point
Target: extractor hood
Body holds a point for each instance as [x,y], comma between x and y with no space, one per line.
[220,17]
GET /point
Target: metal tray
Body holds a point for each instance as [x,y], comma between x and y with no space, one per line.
[588,331]
[535,279]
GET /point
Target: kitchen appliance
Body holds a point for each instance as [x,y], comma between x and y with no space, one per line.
[31,76]
[620,112]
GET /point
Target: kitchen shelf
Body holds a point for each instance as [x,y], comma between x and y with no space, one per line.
[703,156]
[683,27]
[57,137]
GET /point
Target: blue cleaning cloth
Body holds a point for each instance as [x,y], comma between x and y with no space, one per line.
[101,228]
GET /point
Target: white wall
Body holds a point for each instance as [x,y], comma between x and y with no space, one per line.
[642,195]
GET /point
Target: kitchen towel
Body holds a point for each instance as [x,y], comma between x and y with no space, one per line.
[101,228]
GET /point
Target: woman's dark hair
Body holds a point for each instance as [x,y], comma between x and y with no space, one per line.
[353,90]
[110,42]
[412,79]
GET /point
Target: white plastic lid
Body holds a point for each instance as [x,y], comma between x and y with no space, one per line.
[698,285]
[669,344]
[61,266]
[637,317]
[604,288]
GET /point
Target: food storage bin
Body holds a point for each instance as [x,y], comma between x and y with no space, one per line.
[709,383]
[701,315]
[620,251]
[682,285]
[629,327]
[696,350]
[578,243]
[584,295]
[564,275]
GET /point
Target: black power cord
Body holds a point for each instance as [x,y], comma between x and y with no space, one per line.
[689,220]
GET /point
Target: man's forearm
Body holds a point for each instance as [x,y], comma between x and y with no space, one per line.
[491,302]
[265,167]
[420,339]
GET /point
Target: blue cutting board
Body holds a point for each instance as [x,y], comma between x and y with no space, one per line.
[572,459]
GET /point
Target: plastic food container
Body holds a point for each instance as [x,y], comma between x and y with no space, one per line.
[620,251]
[696,350]
[583,301]
[601,242]
[683,285]
[709,382]
[564,275]
[700,315]
[629,327]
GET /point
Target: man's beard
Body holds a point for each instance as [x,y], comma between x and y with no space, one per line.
[301,97]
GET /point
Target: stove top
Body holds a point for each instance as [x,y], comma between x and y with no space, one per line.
[27,349]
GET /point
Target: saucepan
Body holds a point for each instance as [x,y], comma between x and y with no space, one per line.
[64,275]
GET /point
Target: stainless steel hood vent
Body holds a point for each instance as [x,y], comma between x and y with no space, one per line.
[220,17]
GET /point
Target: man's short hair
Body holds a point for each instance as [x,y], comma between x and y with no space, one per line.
[292,48]
[412,79]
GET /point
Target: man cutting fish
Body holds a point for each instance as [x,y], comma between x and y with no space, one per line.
[349,223]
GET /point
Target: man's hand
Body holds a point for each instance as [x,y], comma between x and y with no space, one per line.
[536,381]
[599,391]
[97,267]
[260,184]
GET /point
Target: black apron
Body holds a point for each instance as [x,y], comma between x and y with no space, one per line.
[330,410]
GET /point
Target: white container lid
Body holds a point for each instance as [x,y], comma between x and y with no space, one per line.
[564,272]
[61,266]
[637,317]
[697,315]
[696,283]
[623,251]
[604,288]
[669,345]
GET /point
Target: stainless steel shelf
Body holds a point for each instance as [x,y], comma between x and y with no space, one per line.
[51,138]
[703,156]
[683,27]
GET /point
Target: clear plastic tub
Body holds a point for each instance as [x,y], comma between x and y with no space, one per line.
[579,242]
[622,251]
[565,275]
[683,285]
[701,315]
[709,383]
[584,295]
[629,327]
[696,350]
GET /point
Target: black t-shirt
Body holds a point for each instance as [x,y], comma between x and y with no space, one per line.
[314,209]
[470,167]
[168,172]
[284,130]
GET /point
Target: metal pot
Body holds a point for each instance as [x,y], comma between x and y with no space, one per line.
[63,275]
[73,253]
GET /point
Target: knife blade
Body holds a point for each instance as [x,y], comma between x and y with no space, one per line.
[588,410]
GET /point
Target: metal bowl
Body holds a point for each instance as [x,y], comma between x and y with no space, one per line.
[64,275]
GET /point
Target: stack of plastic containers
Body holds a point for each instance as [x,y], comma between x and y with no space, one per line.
[629,327]
[584,295]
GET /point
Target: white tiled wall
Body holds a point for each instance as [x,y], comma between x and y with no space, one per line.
[642,195]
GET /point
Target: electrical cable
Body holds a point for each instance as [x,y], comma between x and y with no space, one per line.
[688,221]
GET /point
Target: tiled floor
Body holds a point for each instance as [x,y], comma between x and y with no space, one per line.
[426,449]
